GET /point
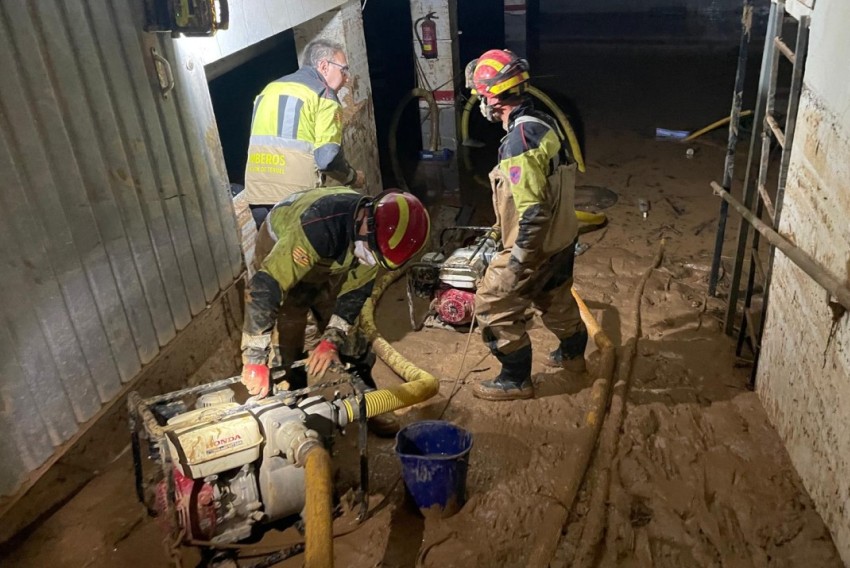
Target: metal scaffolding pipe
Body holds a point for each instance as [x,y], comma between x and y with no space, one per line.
[803,261]
[734,115]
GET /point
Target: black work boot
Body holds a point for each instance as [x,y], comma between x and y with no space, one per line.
[513,382]
[383,425]
[570,353]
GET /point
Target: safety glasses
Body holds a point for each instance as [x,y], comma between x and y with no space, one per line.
[346,70]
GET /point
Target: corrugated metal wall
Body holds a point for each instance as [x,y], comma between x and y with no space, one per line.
[115,216]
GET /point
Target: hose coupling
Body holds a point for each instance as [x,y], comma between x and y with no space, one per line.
[296,440]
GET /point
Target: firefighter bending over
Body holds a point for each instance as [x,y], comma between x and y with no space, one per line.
[319,251]
[533,192]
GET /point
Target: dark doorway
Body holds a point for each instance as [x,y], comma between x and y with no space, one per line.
[389,46]
[482,26]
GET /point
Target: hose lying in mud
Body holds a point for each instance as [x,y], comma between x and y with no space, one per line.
[600,486]
[419,384]
[716,124]
[556,512]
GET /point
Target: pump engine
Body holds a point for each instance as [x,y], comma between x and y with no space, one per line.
[224,466]
[448,282]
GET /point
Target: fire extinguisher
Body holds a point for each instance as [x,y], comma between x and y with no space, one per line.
[428,38]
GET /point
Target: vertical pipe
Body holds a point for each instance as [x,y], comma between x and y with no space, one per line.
[729,166]
[137,458]
[362,441]
[749,187]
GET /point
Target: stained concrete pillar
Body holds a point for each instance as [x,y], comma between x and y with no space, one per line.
[344,25]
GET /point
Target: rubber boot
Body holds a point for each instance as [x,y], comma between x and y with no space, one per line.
[383,425]
[570,353]
[513,382]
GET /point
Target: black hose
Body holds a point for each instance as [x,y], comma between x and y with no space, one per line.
[393,138]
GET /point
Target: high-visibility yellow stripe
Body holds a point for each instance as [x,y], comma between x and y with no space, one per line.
[497,65]
[403,220]
[512,82]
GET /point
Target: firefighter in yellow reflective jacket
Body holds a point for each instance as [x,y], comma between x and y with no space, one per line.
[296,131]
[319,251]
[533,197]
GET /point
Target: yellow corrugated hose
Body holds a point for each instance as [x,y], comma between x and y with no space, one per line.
[318,509]
[419,386]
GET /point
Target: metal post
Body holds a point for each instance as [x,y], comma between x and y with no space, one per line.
[729,166]
[774,25]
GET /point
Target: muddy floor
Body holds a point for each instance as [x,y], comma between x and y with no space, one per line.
[698,476]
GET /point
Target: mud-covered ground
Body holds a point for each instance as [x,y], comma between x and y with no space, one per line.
[699,476]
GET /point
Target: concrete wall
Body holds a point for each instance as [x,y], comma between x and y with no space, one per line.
[804,375]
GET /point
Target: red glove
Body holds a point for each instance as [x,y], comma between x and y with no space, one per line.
[321,358]
[256,379]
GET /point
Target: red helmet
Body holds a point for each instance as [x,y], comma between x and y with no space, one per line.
[399,227]
[499,73]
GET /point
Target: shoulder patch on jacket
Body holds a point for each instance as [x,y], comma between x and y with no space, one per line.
[300,256]
[515,173]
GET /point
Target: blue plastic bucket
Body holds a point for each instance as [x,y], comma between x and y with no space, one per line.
[434,458]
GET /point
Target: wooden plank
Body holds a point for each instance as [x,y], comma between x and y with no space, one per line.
[65,215]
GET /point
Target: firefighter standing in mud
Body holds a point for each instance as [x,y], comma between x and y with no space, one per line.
[318,251]
[296,131]
[533,191]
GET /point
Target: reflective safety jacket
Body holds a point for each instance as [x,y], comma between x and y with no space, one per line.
[312,241]
[534,189]
[296,136]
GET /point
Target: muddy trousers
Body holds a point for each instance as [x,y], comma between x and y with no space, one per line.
[317,300]
[506,301]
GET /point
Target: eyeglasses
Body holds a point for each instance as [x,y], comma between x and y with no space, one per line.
[344,68]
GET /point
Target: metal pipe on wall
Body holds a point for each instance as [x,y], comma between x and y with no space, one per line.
[801,259]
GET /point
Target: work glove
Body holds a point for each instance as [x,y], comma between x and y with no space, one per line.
[321,358]
[256,379]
